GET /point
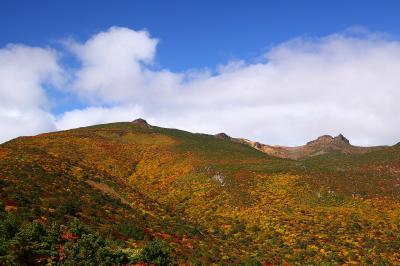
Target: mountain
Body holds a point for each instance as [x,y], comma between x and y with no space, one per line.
[322,145]
[125,193]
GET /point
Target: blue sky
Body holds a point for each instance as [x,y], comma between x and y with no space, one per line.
[217,30]
[280,72]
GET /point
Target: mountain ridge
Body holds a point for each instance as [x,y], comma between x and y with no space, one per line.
[322,145]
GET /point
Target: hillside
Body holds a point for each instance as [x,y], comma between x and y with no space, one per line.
[209,199]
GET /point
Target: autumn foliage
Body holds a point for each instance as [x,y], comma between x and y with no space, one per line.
[150,195]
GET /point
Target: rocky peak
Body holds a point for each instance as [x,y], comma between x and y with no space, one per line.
[140,122]
[328,139]
[222,136]
[341,139]
[324,139]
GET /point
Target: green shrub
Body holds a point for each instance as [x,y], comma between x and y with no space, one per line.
[157,252]
[252,262]
[130,230]
[76,227]
[71,206]
[29,245]
[9,226]
[34,244]
[91,249]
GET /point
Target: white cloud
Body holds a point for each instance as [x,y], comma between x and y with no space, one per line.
[24,71]
[97,115]
[17,122]
[305,88]
[115,66]
[343,83]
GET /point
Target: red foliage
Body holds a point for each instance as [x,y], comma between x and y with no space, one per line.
[61,252]
[69,236]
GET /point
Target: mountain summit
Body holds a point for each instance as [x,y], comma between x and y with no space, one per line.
[222,136]
[329,140]
[141,122]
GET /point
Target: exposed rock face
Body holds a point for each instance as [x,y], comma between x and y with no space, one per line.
[329,140]
[341,139]
[324,139]
[140,122]
[219,178]
[258,145]
[222,136]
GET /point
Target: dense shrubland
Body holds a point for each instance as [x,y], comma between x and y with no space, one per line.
[123,194]
[35,243]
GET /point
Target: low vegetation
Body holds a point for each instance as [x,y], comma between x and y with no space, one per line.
[125,194]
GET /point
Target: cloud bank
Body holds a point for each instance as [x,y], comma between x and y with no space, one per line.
[24,73]
[343,83]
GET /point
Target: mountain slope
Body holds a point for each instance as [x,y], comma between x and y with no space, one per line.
[211,199]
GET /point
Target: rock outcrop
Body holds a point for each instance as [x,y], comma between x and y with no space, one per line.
[141,122]
[222,136]
[329,140]
[341,139]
